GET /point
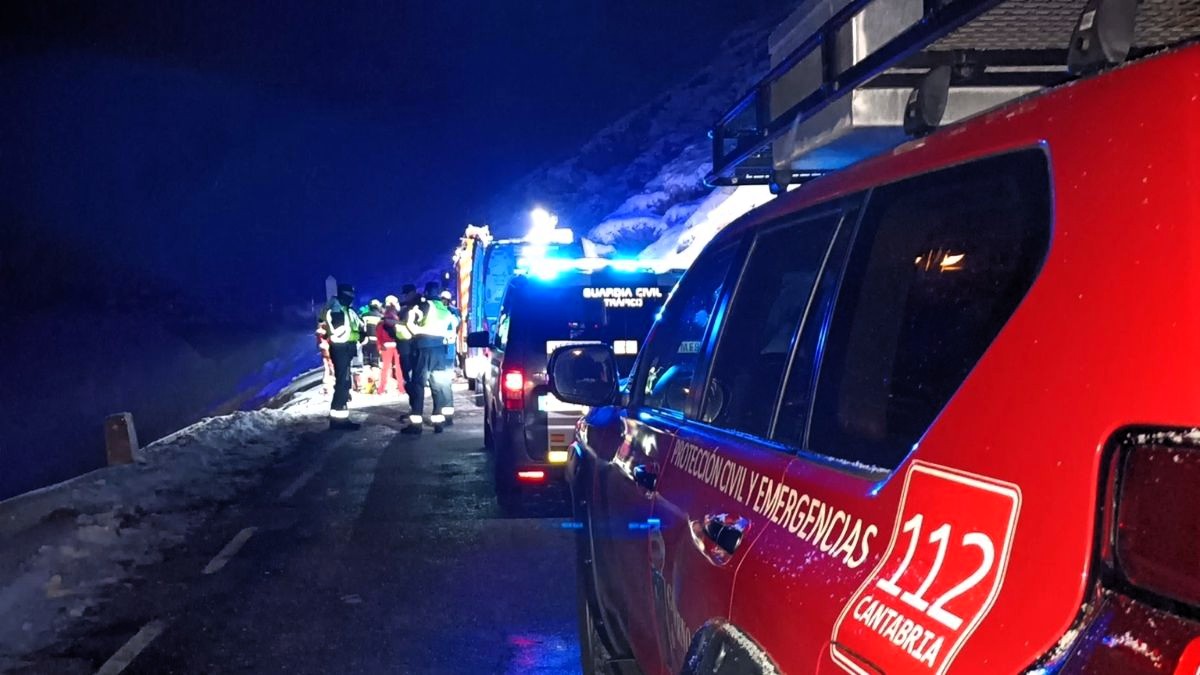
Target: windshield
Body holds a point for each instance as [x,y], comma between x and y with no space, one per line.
[500,261]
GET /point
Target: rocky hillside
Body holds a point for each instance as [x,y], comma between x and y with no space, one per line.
[638,183]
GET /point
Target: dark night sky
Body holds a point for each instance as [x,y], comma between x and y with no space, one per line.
[253,147]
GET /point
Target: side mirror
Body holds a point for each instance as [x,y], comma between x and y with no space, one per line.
[481,339]
[584,374]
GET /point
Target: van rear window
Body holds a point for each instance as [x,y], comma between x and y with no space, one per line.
[618,315]
[938,266]
[566,314]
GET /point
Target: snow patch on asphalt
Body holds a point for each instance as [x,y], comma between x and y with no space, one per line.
[65,547]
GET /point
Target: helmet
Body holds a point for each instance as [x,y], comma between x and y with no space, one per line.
[392,301]
[376,304]
[445,295]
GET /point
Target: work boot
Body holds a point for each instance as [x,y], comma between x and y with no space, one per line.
[414,426]
[438,428]
[343,424]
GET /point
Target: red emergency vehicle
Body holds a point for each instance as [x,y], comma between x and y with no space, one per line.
[936,412]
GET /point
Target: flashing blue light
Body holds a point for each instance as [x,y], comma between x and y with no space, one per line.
[540,262]
[543,272]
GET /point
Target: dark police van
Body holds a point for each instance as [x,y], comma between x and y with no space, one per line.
[527,428]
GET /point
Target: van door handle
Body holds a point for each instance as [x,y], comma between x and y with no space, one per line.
[726,531]
[646,476]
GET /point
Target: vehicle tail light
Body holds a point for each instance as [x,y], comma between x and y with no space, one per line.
[533,476]
[1157,537]
[513,386]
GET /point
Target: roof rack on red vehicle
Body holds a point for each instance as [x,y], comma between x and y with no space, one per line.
[852,78]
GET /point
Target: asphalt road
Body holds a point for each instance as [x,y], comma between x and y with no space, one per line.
[364,552]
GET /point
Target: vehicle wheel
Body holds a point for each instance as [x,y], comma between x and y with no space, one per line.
[593,657]
[508,498]
[508,493]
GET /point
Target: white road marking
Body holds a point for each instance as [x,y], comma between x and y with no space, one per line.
[301,481]
[239,540]
[130,650]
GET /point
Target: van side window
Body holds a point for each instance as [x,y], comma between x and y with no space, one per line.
[763,321]
[940,263]
[674,347]
[502,325]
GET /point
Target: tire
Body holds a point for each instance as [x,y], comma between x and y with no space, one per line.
[489,433]
[509,500]
[593,658]
[593,655]
[508,492]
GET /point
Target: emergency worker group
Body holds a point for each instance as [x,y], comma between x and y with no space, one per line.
[408,339]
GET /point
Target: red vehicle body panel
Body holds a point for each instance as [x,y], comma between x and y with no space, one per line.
[1108,336]
[620,510]
[1101,341]
[688,559]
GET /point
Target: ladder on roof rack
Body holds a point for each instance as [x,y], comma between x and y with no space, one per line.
[843,71]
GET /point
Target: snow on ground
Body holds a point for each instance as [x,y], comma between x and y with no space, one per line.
[64,547]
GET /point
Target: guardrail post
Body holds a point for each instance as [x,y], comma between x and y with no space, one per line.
[120,439]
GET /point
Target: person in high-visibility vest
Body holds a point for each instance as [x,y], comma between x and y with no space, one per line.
[389,356]
[371,317]
[344,330]
[404,342]
[431,324]
[445,373]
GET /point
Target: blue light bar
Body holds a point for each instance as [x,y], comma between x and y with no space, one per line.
[539,262]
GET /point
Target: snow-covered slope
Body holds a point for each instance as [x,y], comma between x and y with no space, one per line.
[68,546]
[680,242]
[640,182]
